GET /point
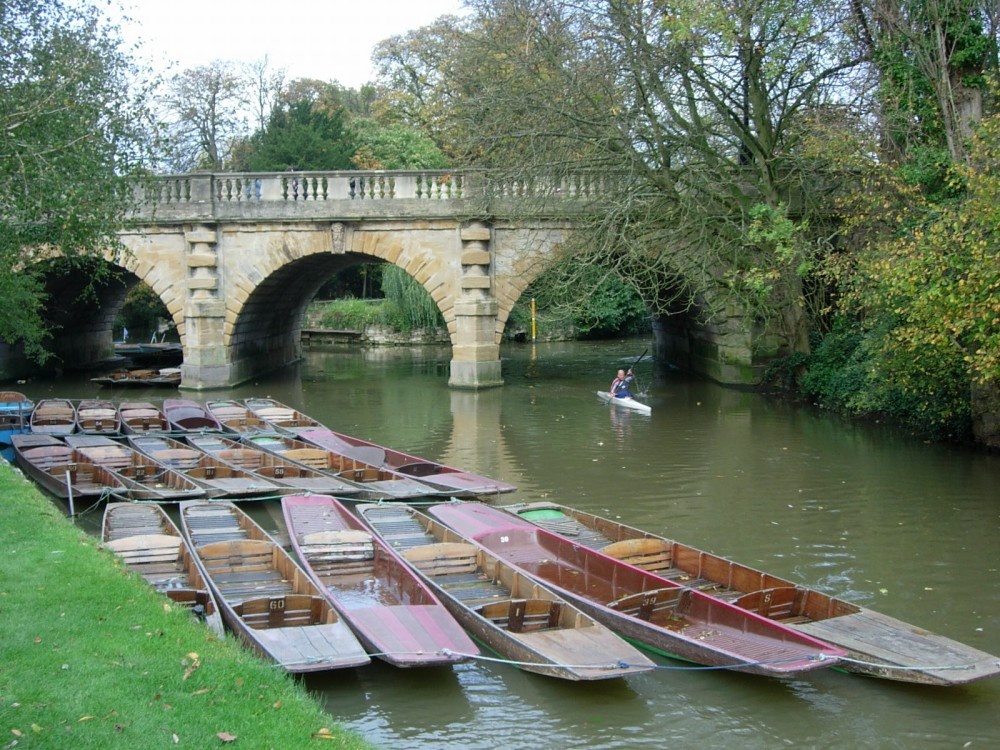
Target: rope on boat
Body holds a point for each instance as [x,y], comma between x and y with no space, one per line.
[614,665]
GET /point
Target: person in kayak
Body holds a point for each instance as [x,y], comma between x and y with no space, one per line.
[621,386]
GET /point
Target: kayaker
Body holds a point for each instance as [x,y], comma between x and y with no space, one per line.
[614,383]
[621,386]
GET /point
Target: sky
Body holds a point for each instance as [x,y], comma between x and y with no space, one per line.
[323,39]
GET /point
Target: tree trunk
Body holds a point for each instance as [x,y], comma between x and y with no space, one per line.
[986,414]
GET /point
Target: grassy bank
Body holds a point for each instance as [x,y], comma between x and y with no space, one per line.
[92,657]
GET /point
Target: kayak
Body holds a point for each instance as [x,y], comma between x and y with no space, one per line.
[625,403]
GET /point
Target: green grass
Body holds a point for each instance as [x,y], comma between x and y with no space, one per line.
[92,657]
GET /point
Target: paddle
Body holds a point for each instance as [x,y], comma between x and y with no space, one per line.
[639,392]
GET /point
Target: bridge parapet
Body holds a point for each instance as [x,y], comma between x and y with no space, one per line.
[362,194]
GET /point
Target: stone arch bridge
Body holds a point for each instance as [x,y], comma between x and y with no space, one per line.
[237,257]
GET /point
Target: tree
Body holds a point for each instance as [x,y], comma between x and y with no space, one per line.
[701,110]
[931,56]
[208,109]
[394,146]
[265,86]
[418,77]
[74,133]
[300,136]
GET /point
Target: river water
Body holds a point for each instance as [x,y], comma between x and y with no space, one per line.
[863,512]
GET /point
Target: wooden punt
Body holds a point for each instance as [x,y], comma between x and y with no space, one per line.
[144,478]
[236,417]
[218,478]
[514,615]
[876,644]
[391,610]
[639,605]
[59,470]
[451,481]
[186,415]
[280,416]
[97,417]
[265,597]
[141,417]
[150,544]
[376,483]
[289,474]
[15,413]
[167,377]
[53,416]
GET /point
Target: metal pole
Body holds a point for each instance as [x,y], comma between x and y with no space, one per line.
[69,489]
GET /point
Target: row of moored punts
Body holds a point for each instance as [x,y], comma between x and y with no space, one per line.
[550,589]
[238,450]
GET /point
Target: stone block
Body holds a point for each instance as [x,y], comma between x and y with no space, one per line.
[476,282]
[476,258]
[203,283]
[475,233]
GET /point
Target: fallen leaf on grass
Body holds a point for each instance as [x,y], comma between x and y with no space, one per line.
[226,736]
[323,734]
[195,663]
[86,718]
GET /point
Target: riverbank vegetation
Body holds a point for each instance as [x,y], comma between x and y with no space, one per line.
[95,658]
[824,169]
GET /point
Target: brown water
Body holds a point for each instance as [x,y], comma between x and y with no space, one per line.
[909,529]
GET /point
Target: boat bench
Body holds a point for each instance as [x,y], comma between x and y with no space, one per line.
[522,615]
[443,558]
[454,566]
[294,610]
[653,555]
[179,458]
[314,458]
[782,604]
[654,604]
[146,549]
[240,561]
[339,553]
[251,460]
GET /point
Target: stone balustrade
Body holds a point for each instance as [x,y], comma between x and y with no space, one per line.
[347,194]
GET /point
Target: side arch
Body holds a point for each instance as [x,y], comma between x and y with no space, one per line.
[158,276]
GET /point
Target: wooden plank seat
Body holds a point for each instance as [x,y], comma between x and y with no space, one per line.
[340,553]
[267,612]
[653,555]
[146,548]
[314,458]
[178,458]
[782,603]
[454,566]
[275,413]
[522,615]
[244,569]
[443,558]
[245,458]
[654,605]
